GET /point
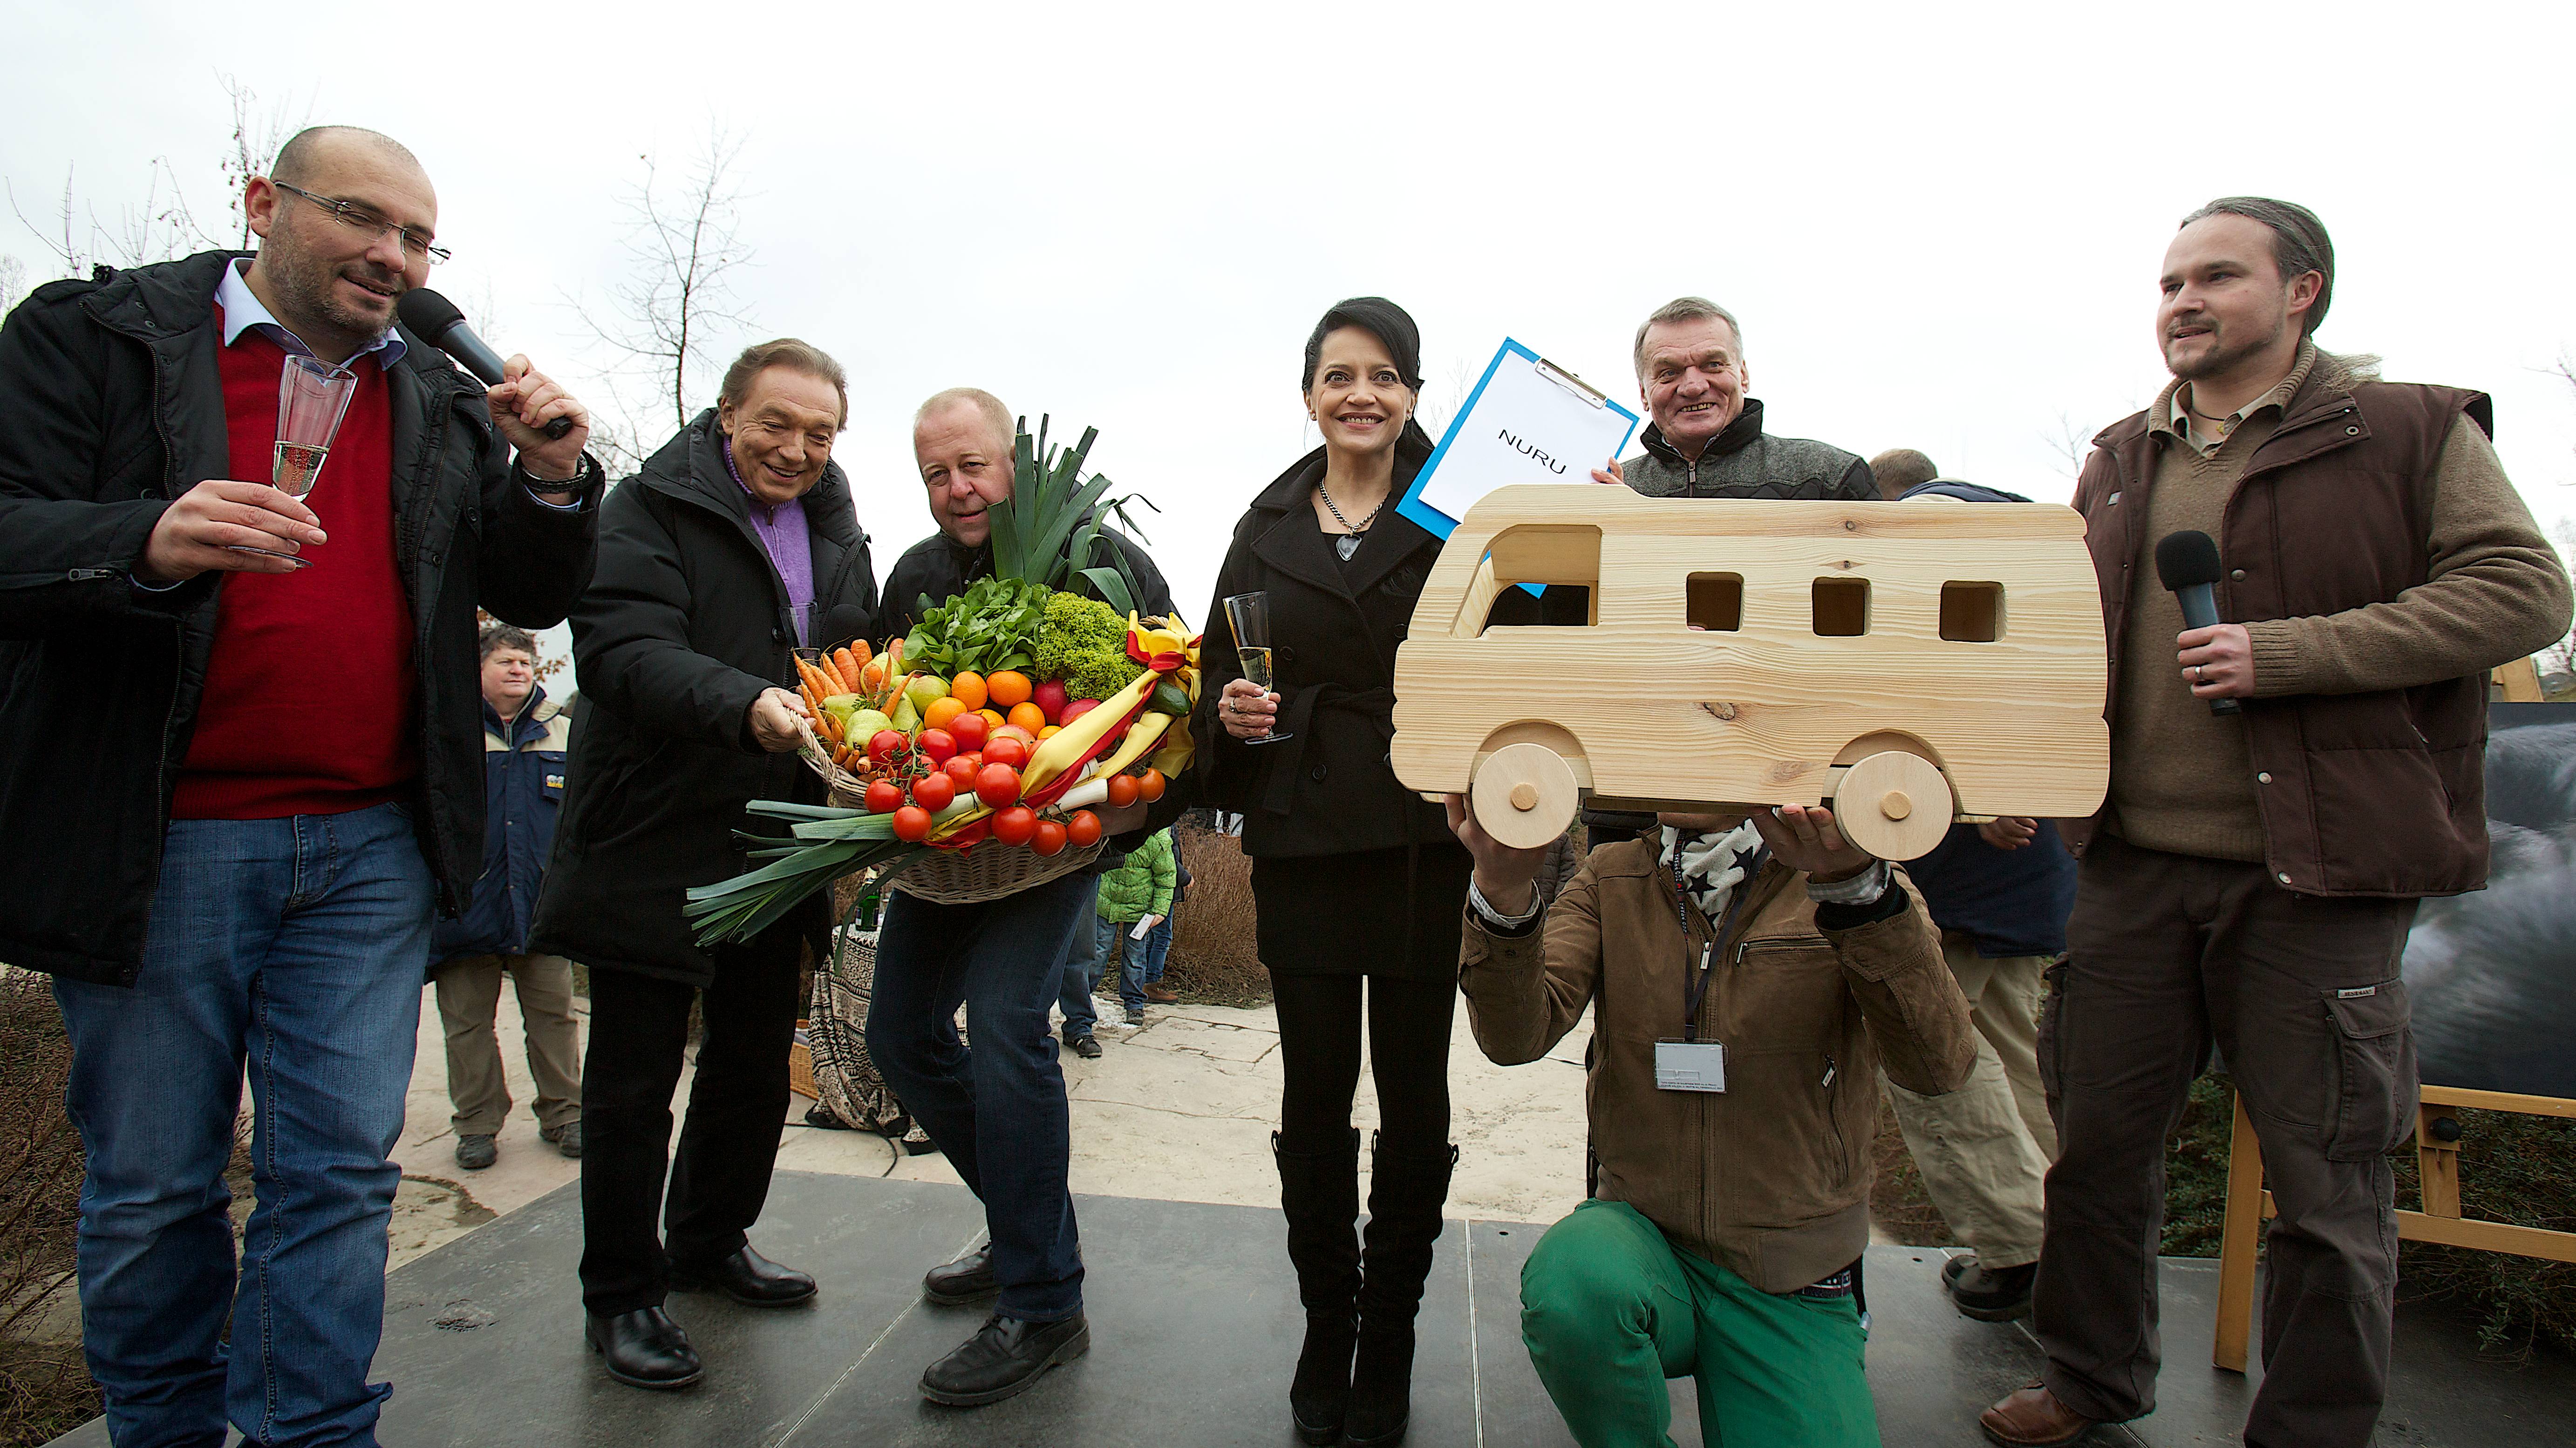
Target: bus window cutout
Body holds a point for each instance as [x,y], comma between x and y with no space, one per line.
[1546,555]
[1714,602]
[1972,612]
[1841,607]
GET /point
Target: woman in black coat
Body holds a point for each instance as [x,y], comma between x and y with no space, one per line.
[705,581]
[1354,877]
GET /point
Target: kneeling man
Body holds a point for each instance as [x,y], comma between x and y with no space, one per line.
[1751,975]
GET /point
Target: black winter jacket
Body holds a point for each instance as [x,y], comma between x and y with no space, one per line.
[941,567]
[684,624]
[110,408]
[1334,628]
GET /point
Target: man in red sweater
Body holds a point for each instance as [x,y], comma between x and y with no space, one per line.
[236,786]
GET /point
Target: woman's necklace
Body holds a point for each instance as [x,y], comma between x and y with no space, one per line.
[1352,533]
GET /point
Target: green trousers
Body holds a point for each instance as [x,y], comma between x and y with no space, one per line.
[1610,1310]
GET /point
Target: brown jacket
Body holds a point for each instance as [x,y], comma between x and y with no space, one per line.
[1769,1179]
[2375,791]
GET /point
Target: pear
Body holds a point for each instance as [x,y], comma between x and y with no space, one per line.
[906,717]
[863,724]
[925,691]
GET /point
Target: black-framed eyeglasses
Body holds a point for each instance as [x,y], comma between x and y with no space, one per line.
[364,219]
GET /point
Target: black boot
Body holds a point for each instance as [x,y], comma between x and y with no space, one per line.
[1406,1193]
[1320,1192]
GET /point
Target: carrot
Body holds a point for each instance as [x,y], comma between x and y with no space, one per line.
[859,649]
[821,681]
[848,664]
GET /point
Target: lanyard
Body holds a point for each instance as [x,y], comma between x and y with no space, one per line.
[1707,952]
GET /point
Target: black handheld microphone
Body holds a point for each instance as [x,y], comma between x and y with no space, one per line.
[442,326]
[2187,565]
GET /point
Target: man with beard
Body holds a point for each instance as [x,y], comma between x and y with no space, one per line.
[996,1107]
[237,786]
[2250,879]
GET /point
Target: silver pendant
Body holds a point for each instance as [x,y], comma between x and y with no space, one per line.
[1346,545]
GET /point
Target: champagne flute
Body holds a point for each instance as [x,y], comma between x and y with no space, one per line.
[1249,615]
[312,397]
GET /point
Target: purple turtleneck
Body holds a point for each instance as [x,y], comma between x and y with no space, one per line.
[791,550]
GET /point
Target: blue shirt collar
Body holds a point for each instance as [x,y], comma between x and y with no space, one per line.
[242,310]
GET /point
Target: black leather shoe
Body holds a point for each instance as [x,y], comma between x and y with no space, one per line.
[1988,1295]
[644,1349]
[1004,1359]
[746,1277]
[1087,1047]
[968,1279]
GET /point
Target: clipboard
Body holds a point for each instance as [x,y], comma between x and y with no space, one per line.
[1528,421]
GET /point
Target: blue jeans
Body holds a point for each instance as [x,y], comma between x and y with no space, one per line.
[295,947]
[1084,963]
[1140,962]
[997,1109]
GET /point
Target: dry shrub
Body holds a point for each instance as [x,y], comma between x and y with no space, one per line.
[2513,1168]
[1214,958]
[45,1389]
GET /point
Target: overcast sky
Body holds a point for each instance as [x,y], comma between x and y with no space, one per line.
[1941,225]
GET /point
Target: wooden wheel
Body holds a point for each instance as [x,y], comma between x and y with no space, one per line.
[1894,804]
[1524,795]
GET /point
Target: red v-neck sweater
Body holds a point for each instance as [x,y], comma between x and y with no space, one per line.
[312,697]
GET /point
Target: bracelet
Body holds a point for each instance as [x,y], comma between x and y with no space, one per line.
[581,475]
[1496,918]
[1860,889]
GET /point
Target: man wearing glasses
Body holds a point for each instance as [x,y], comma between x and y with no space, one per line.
[235,786]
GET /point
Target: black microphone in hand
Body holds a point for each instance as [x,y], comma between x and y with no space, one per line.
[2187,565]
[442,326]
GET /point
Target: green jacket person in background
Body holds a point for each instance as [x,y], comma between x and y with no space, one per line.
[1138,892]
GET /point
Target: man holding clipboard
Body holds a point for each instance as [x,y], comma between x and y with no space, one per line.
[1707,440]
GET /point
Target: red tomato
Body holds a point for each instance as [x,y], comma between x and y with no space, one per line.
[997,785]
[934,792]
[1123,790]
[884,797]
[960,770]
[1049,839]
[1006,750]
[912,824]
[1077,709]
[1083,830]
[1014,826]
[1150,788]
[885,744]
[939,744]
[969,730]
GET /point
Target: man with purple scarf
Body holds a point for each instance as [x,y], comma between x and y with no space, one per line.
[736,543]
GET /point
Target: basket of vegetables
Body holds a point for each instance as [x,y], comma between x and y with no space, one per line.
[968,757]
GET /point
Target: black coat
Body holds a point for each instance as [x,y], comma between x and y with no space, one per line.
[940,567]
[1334,628]
[110,407]
[684,625]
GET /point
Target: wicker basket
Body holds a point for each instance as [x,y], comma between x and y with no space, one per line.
[987,871]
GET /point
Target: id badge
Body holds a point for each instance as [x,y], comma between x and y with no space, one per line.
[1690,1066]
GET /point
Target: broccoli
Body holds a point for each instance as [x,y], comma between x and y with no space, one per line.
[1084,642]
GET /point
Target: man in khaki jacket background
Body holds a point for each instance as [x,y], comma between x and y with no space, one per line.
[1750,977]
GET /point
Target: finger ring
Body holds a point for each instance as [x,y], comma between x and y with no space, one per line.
[2195,673]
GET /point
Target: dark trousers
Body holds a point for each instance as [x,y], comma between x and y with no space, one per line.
[997,1109]
[639,1031]
[1408,1023]
[2170,954]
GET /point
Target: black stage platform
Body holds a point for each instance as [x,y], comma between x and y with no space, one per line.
[1194,1328]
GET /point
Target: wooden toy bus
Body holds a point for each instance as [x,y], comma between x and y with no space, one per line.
[1909,663]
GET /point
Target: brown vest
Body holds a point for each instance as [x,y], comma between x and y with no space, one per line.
[2361,794]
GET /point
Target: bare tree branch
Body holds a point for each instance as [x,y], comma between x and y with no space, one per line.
[256,141]
[2069,445]
[685,246]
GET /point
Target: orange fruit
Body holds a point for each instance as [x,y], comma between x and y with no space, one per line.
[993,718]
[1028,716]
[1049,732]
[943,710]
[968,689]
[1011,688]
